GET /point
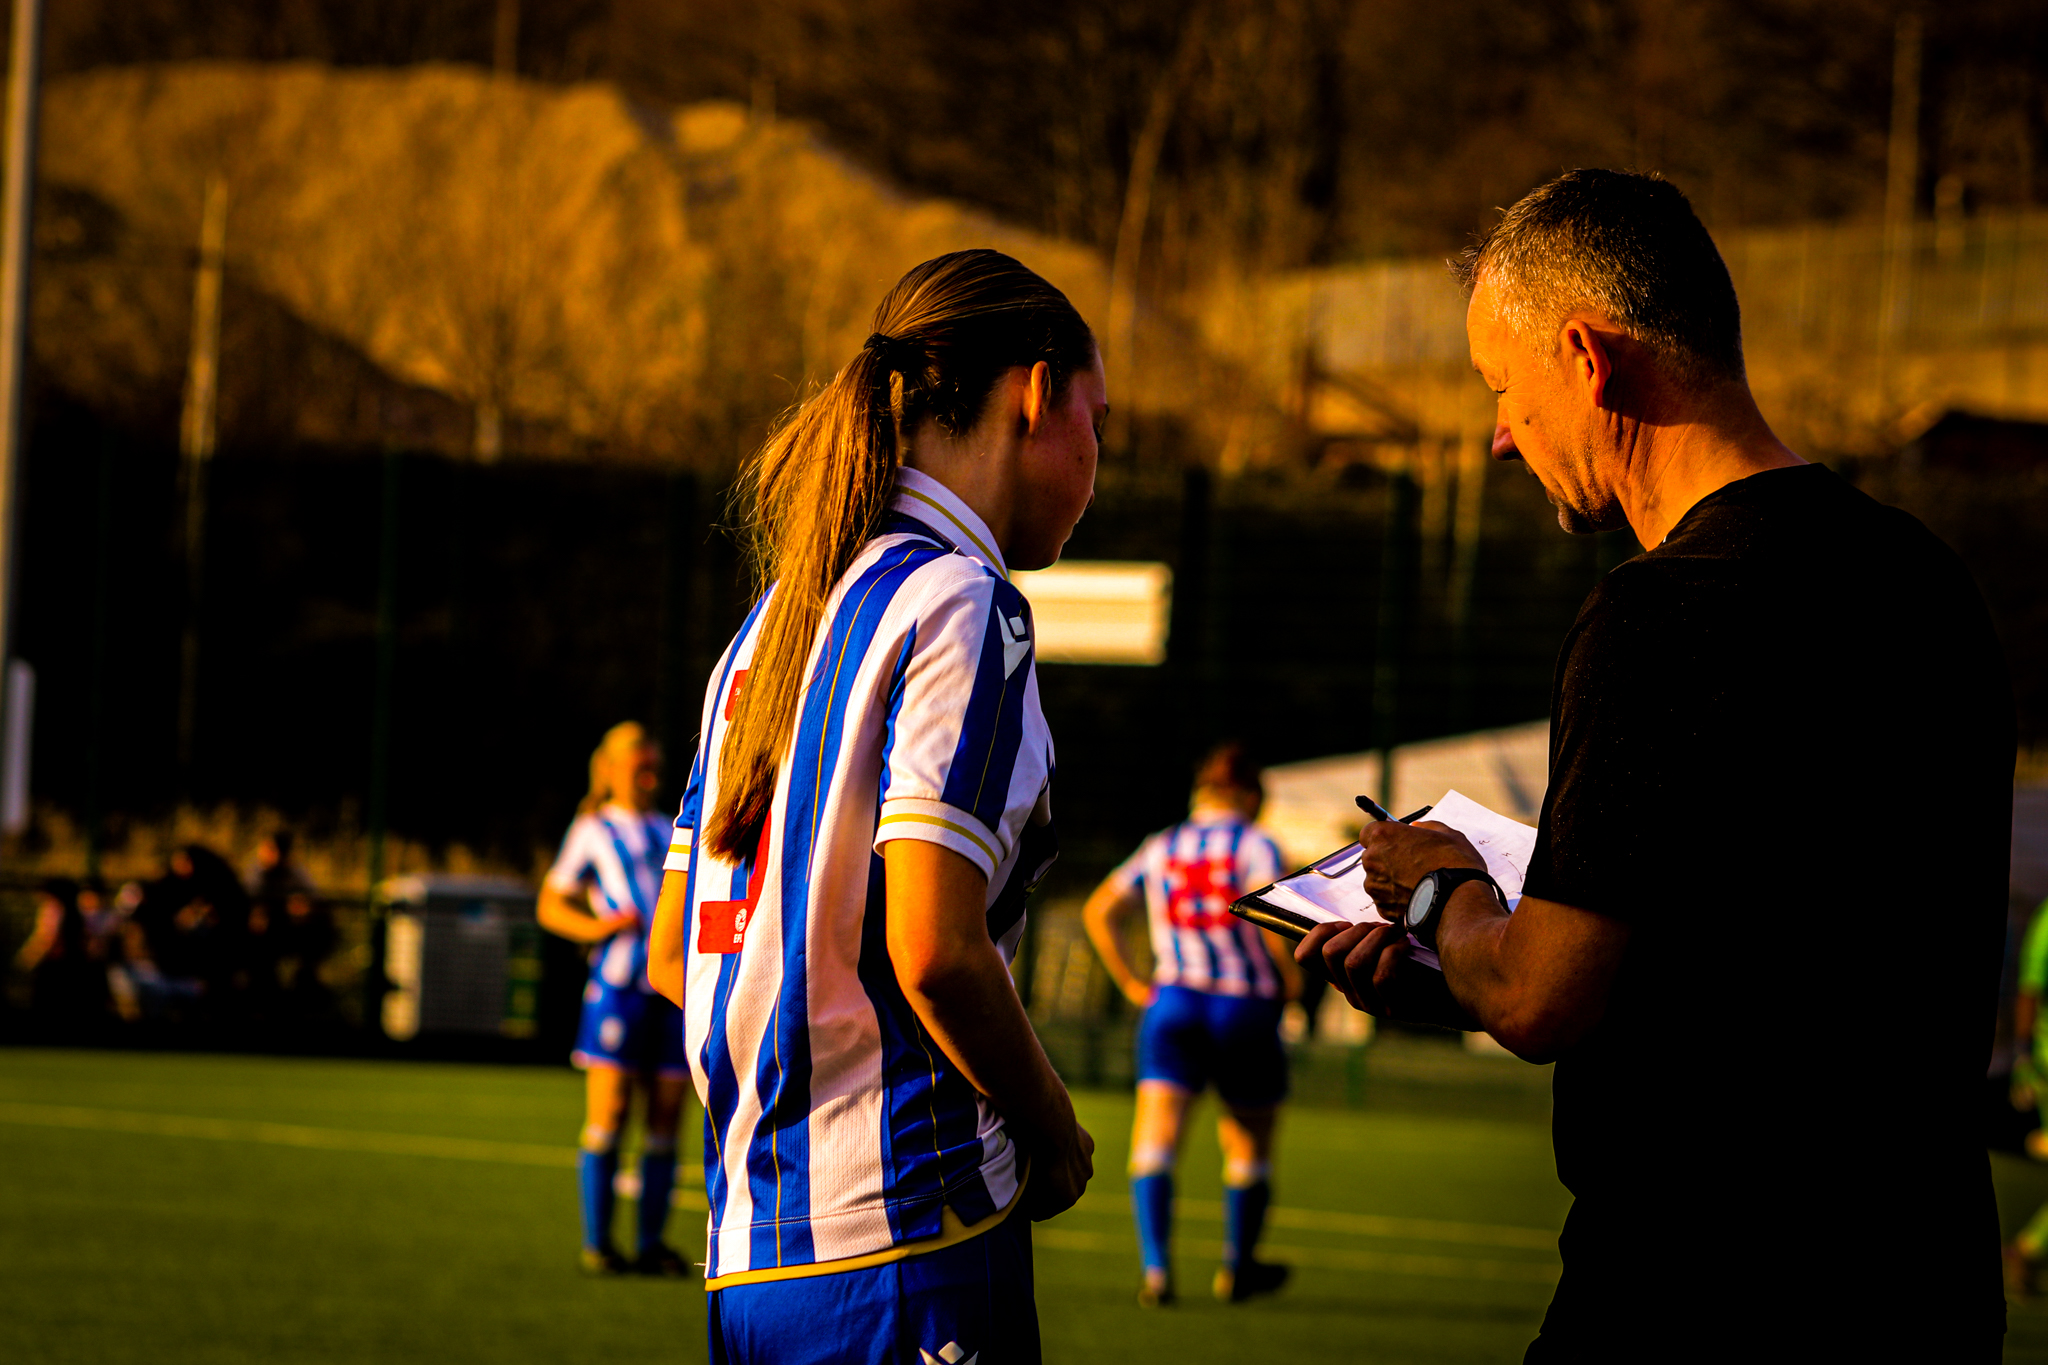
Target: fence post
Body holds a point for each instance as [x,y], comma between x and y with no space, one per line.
[96,685]
[673,664]
[1397,590]
[1188,637]
[196,431]
[386,668]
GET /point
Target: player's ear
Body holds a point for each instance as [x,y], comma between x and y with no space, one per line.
[1037,396]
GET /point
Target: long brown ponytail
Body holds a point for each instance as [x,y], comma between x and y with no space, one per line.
[814,494]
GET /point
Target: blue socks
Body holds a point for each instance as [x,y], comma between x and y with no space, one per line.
[1244,1213]
[1152,1200]
[595,1172]
[657,1187]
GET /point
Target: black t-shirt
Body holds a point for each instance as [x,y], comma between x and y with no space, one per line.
[1781,751]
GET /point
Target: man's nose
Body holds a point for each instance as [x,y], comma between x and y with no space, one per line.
[1504,443]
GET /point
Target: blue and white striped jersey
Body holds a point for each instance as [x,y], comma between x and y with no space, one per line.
[836,1130]
[616,855]
[1190,874]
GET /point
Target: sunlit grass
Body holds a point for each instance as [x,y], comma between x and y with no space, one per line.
[176,1209]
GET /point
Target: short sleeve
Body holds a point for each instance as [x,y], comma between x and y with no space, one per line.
[965,756]
[1130,873]
[682,837]
[574,867]
[1258,861]
[2034,954]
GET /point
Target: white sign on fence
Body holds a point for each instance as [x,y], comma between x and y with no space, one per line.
[1100,611]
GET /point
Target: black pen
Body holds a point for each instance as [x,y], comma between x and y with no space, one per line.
[1379,812]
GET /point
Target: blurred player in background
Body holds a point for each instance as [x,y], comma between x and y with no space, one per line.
[869,808]
[1212,1015]
[602,891]
[2025,1253]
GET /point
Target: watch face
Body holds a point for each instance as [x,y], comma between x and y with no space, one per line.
[1419,903]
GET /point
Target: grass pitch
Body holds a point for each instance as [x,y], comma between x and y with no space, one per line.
[172,1209]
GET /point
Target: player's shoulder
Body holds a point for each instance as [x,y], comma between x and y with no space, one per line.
[1256,837]
[938,581]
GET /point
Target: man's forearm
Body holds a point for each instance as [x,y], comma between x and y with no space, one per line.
[1536,980]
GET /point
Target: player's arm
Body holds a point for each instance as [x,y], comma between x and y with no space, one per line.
[558,914]
[667,949]
[49,921]
[1537,980]
[1282,953]
[1110,904]
[960,989]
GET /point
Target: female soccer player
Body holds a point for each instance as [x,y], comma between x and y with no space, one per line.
[868,809]
[1212,1014]
[602,890]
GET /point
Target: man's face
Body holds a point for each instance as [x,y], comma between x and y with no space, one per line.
[1546,418]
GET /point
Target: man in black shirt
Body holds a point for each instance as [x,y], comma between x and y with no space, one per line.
[1761,931]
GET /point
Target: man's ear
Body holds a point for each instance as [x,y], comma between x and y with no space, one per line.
[1588,358]
[1037,396]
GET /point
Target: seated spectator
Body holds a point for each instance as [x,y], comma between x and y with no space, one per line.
[291,933]
[192,943]
[67,987]
[126,950]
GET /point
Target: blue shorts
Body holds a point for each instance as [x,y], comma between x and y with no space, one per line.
[631,1029]
[972,1301]
[1193,1039]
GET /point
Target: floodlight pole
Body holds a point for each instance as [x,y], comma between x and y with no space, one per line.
[17,209]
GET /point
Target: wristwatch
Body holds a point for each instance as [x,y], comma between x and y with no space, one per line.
[1433,892]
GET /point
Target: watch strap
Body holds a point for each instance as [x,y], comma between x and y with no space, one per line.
[1448,880]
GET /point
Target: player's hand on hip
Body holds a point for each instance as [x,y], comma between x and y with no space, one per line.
[1059,1173]
[1139,993]
[1397,856]
[1358,959]
[620,923]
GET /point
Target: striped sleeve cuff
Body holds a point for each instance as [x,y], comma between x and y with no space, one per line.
[936,822]
[679,845]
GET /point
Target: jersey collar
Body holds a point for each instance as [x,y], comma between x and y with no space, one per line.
[920,496]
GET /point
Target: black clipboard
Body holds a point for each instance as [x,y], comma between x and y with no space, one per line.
[1291,924]
[1418,993]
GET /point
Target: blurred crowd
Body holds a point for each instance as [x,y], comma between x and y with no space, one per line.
[199,949]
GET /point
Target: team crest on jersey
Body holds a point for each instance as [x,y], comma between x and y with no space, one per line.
[949,1354]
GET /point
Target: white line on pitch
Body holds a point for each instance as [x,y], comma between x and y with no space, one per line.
[537,1154]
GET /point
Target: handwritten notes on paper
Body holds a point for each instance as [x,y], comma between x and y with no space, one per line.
[1332,890]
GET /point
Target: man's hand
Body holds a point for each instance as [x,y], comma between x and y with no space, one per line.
[1397,856]
[1059,1173]
[1358,959]
[1138,992]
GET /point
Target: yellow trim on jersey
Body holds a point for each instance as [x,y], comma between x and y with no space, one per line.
[995,560]
[960,830]
[952,1232]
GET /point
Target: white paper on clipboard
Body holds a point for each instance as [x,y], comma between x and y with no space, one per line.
[1332,890]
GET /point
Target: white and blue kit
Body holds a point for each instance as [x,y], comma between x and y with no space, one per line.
[840,1141]
[615,854]
[1215,1012]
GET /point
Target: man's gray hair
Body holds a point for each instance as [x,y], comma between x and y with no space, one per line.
[1625,246]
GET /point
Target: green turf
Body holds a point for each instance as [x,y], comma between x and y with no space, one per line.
[175,1209]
